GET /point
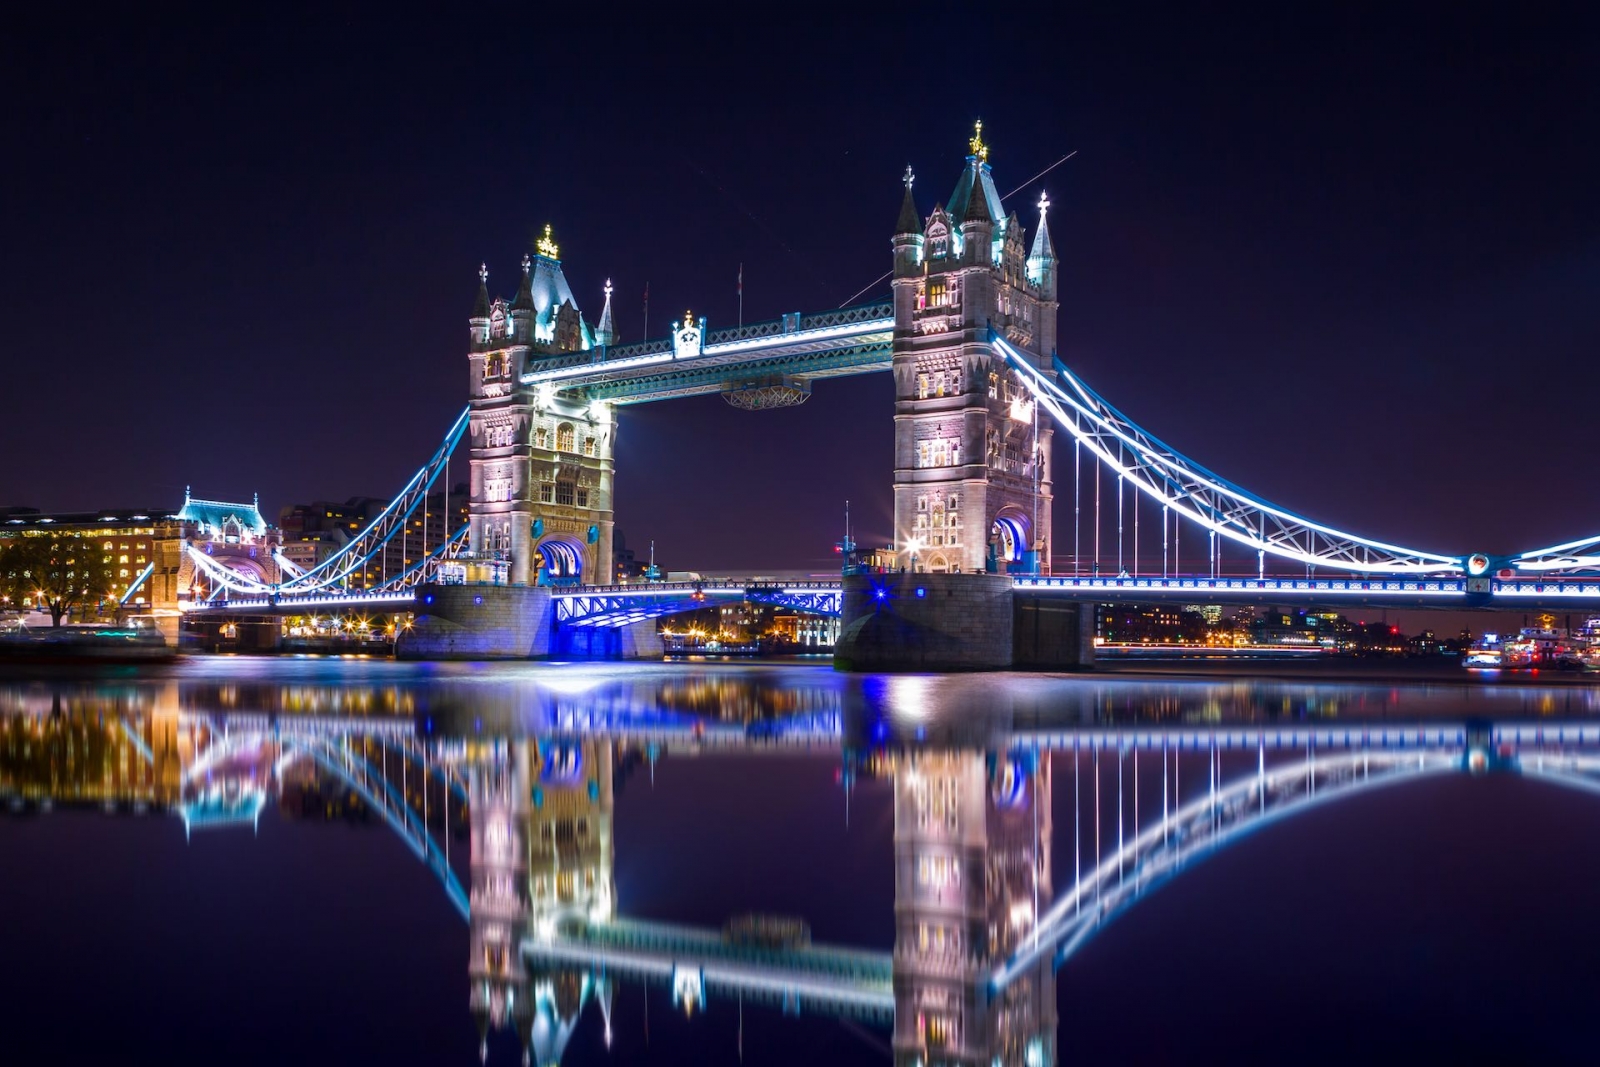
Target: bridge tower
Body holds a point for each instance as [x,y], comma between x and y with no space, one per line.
[541,464]
[972,475]
[972,873]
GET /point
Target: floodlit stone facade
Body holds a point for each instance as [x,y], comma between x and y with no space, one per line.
[972,476]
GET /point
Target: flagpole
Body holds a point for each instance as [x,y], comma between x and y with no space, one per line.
[741,296]
[647,311]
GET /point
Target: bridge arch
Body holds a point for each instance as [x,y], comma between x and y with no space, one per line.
[1012,533]
[560,561]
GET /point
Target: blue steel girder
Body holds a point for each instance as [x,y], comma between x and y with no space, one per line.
[613,606]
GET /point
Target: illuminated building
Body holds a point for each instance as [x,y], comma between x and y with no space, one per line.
[971,456]
[541,509]
[149,554]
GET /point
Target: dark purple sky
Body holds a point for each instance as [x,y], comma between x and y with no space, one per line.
[1350,265]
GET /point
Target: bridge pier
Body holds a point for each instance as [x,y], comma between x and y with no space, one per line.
[911,621]
[513,622]
[479,622]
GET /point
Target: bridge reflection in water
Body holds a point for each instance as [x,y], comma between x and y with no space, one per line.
[529,780]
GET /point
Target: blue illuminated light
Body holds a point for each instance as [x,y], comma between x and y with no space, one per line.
[881,594]
[921,592]
[477,600]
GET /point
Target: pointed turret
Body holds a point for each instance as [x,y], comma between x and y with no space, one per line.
[606,332]
[910,221]
[1043,251]
[908,237]
[1042,258]
[480,309]
[524,297]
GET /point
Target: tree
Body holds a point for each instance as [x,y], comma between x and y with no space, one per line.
[60,573]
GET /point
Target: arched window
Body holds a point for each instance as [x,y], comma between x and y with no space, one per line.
[565,437]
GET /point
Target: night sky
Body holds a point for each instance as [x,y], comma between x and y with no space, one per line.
[1347,263]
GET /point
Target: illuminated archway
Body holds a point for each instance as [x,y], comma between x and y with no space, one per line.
[560,562]
[1010,533]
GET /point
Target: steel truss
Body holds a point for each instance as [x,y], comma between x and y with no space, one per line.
[361,549]
[614,606]
[1573,558]
[1177,482]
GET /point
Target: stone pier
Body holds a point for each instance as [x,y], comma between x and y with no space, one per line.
[479,622]
[482,622]
[908,621]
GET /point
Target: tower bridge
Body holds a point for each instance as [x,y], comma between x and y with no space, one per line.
[969,335]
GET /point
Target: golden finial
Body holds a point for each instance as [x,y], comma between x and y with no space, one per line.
[547,245]
[688,320]
[979,149]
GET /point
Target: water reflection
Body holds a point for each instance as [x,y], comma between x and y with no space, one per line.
[504,783]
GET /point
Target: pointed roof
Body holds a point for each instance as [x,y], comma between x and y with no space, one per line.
[606,332]
[964,205]
[1043,251]
[524,298]
[910,221]
[480,307]
[977,177]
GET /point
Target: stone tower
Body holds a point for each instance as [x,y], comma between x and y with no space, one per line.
[541,463]
[972,873]
[972,471]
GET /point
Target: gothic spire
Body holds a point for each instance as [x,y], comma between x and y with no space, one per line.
[524,298]
[910,221]
[1043,251]
[606,332]
[480,309]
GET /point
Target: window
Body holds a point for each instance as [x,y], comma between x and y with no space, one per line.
[497,489]
[541,437]
[938,242]
[583,496]
[564,437]
[922,387]
[588,446]
[547,493]
[564,493]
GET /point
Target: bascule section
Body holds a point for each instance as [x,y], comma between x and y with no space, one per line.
[971,475]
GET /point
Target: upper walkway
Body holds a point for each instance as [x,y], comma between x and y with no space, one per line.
[853,340]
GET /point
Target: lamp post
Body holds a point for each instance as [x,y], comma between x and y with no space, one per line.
[913,546]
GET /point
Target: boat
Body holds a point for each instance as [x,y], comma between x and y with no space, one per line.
[1542,647]
[81,644]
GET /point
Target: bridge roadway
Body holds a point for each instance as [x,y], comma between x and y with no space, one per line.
[620,605]
[696,962]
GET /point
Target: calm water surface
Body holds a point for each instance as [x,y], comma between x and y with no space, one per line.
[186,877]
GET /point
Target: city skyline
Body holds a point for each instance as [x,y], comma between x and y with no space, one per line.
[1368,314]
